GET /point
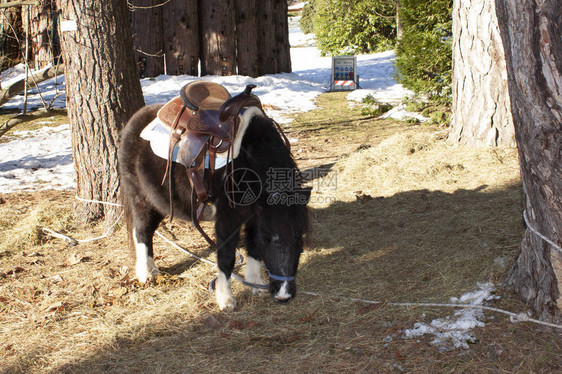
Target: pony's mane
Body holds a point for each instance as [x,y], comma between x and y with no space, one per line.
[263,139]
[263,148]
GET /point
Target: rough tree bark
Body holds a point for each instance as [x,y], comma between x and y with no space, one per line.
[44,44]
[102,90]
[266,38]
[282,48]
[218,53]
[481,113]
[273,37]
[181,41]
[148,37]
[246,37]
[531,37]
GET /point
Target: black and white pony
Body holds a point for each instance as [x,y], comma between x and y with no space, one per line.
[274,218]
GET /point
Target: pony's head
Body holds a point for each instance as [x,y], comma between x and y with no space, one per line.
[281,225]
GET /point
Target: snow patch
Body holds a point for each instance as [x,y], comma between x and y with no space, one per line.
[456,331]
[41,159]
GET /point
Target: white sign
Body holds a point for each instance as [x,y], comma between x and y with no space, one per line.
[68,26]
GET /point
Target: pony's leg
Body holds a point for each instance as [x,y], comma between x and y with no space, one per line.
[228,234]
[143,231]
[254,264]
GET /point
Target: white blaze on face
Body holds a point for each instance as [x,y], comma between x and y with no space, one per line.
[225,299]
[145,268]
[283,293]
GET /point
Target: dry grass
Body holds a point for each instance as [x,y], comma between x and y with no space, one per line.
[427,225]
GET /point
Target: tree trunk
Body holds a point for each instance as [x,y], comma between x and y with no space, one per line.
[399,29]
[273,37]
[481,114]
[181,40]
[246,37]
[282,48]
[218,56]
[45,44]
[10,24]
[531,38]
[148,36]
[102,90]
[266,38]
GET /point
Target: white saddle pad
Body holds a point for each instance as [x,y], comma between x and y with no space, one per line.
[158,134]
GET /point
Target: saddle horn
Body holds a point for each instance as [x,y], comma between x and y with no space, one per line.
[232,107]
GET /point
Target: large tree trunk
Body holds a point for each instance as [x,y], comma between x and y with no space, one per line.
[246,37]
[282,48]
[266,38]
[102,90]
[218,56]
[481,114]
[44,41]
[531,38]
[273,37]
[181,37]
[148,36]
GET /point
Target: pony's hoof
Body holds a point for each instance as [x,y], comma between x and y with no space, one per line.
[260,292]
[227,305]
[147,275]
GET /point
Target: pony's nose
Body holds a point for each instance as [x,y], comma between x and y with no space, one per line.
[284,294]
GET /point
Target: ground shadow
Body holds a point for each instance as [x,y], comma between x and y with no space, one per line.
[413,246]
[20,163]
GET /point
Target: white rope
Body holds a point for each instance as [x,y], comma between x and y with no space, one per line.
[213,264]
[513,317]
[72,241]
[556,246]
[54,234]
[185,250]
[97,201]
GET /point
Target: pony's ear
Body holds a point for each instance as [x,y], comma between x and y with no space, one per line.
[305,193]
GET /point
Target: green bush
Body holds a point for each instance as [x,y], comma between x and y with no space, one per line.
[373,107]
[353,26]
[424,54]
[306,18]
[440,117]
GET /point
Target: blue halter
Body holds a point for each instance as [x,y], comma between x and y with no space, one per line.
[280,278]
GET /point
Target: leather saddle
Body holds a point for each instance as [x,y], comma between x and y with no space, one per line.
[203,122]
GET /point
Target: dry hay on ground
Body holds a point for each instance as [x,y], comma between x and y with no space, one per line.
[421,160]
[442,217]
[422,229]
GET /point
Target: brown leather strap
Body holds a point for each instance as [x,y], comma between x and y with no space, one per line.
[196,215]
[175,136]
[211,169]
[196,176]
